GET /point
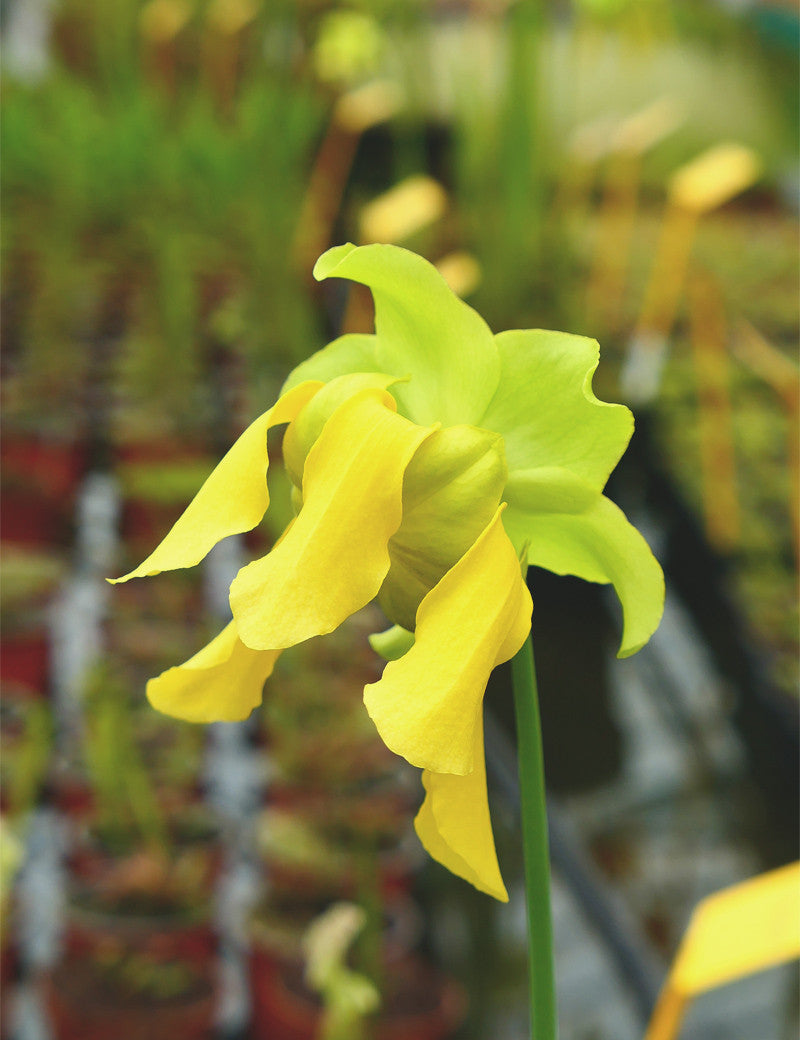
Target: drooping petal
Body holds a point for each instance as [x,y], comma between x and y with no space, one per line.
[593,541]
[454,823]
[546,410]
[233,499]
[334,559]
[427,704]
[223,682]
[423,330]
[354,352]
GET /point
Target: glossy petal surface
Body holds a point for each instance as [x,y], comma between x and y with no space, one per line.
[455,827]
[223,682]
[335,556]
[233,499]
[427,704]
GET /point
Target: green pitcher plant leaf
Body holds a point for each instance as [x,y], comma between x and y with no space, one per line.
[427,460]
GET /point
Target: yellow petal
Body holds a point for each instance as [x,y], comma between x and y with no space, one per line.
[427,704]
[334,559]
[306,428]
[223,682]
[233,499]
[455,827]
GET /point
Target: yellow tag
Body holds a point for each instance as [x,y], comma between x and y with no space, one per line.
[400,212]
[161,20]
[363,107]
[461,271]
[645,129]
[231,16]
[740,931]
[714,177]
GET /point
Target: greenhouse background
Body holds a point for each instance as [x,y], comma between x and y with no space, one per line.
[621,169]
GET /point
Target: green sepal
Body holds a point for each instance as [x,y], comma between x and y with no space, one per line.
[596,543]
[392,644]
[353,352]
[423,330]
[546,410]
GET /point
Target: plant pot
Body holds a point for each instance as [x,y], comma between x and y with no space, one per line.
[419,1003]
[50,468]
[25,662]
[32,520]
[177,934]
[82,1006]
[158,904]
[39,481]
[104,874]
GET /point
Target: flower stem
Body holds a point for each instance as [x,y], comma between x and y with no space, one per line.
[544,1023]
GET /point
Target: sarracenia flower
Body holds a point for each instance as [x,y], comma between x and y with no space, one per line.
[431,462]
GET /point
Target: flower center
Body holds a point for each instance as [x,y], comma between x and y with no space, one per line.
[451,489]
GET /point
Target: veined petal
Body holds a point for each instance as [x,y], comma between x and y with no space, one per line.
[427,704]
[223,682]
[233,499]
[423,330]
[597,544]
[454,823]
[334,559]
[546,410]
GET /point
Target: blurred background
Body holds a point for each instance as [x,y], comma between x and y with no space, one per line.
[623,169]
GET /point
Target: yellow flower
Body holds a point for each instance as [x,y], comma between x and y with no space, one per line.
[430,462]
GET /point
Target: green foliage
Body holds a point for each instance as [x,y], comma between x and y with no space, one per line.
[127,804]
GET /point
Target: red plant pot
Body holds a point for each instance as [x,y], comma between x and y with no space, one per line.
[97,870]
[32,520]
[73,795]
[81,1008]
[419,1004]
[25,661]
[39,481]
[53,469]
[164,938]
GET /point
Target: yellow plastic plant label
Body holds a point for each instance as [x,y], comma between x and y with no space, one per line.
[399,213]
[740,931]
[734,933]
[714,177]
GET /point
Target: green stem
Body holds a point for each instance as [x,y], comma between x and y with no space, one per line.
[544,1023]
